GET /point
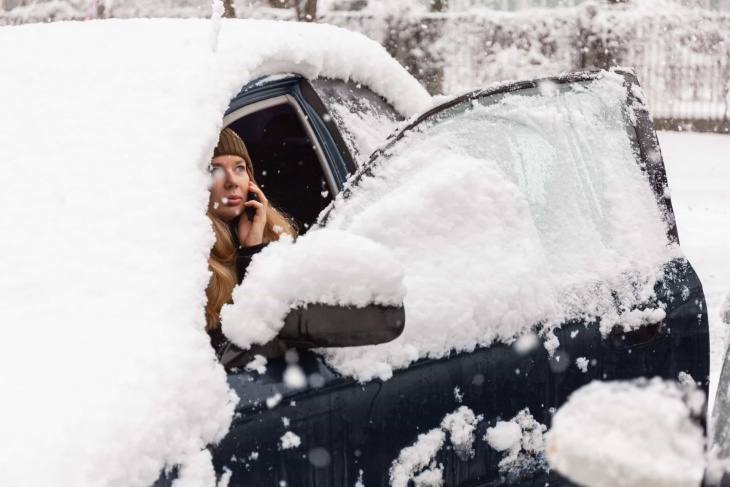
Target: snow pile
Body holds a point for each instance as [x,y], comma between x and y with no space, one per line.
[417,457]
[582,364]
[417,462]
[521,438]
[532,209]
[698,171]
[290,440]
[106,135]
[725,311]
[324,266]
[627,433]
[258,364]
[461,425]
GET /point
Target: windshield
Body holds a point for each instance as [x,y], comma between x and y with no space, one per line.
[510,211]
[567,147]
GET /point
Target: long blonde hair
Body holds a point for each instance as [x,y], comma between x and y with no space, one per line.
[222,260]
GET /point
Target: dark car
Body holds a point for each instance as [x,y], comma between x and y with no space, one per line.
[351,432]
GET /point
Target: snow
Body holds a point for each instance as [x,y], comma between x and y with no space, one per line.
[698,171]
[416,457]
[258,364]
[273,401]
[215,26]
[504,435]
[524,225]
[432,477]
[521,438]
[582,364]
[645,431]
[526,343]
[325,266]
[290,440]
[106,135]
[294,377]
[417,462]
[461,425]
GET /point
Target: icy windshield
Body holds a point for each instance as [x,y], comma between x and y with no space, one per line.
[567,147]
[523,209]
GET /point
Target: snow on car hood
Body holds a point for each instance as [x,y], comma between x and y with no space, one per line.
[107,372]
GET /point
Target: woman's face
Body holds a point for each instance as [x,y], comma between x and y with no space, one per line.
[228,187]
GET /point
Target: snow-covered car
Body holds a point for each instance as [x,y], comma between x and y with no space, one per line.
[527,227]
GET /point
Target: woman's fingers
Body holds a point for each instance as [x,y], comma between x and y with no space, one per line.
[257,190]
[260,208]
[254,203]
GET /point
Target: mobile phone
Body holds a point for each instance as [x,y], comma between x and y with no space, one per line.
[250,210]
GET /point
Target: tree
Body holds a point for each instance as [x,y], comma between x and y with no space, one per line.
[229,11]
[306,10]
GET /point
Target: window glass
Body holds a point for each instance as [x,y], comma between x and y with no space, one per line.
[510,212]
[364,119]
[568,152]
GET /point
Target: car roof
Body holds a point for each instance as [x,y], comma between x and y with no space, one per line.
[106,130]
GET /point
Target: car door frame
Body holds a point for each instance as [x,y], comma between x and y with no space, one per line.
[338,163]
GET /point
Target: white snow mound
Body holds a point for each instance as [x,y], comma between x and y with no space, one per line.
[323,266]
[627,434]
[106,128]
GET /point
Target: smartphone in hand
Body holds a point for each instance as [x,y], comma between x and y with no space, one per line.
[250,210]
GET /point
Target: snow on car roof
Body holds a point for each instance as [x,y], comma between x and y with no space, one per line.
[106,127]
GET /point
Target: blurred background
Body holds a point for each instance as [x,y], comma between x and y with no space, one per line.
[679,49]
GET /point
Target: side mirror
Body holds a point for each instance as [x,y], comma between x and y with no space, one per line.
[330,288]
[322,325]
[639,433]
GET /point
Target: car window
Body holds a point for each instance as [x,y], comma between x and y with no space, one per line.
[288,166]
[511,210]
[364,118]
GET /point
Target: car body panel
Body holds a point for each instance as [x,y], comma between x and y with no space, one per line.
[352,431]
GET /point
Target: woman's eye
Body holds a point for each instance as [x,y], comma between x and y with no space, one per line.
[241,168]
[215,171]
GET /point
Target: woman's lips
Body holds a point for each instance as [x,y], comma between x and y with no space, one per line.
[232,200]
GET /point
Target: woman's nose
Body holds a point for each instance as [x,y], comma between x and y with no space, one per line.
[230,181]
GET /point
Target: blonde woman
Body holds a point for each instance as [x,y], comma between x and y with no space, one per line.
[242,226]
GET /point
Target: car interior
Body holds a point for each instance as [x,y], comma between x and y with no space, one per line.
[285,162]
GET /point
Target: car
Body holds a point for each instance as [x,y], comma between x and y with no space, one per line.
[348,427]
[530,222]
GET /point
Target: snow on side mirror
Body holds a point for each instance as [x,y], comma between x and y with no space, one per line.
[633,434]
[329,288]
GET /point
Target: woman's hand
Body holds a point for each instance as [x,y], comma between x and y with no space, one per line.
[252,232]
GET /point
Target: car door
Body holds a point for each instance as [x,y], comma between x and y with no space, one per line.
[363,427]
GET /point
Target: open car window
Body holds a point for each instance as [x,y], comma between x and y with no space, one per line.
[526,207]
[287,159]
[363,118]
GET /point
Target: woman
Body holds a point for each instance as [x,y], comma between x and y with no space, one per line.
[237,236]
